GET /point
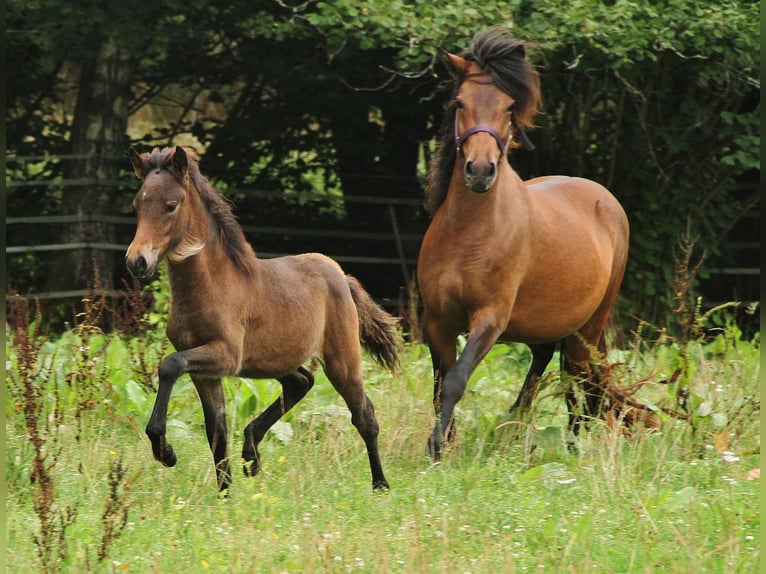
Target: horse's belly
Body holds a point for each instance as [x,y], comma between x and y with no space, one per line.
[540,317]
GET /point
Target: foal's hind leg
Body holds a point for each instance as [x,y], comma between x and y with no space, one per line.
[541,356]
[210,391]
[294,388]
[347,380]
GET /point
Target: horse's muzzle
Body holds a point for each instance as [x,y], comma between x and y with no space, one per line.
[137,266]
[141,265]
[480,178]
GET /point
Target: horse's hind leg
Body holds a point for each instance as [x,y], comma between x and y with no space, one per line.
[210,391]
[347,380]
[577,360]
[294,388]
[541,356]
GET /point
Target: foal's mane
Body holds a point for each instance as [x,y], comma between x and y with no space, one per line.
[503,58]
[229,232]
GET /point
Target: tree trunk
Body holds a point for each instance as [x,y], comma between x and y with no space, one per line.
[99,142]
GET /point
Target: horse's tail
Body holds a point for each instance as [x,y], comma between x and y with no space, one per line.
[377,329]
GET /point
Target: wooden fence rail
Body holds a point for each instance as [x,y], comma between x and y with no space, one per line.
[403,242]
[742,272]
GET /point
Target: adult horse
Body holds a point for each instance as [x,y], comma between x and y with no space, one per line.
[538,262]
[232,314]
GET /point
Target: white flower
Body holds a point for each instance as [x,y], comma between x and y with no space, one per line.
[728,456]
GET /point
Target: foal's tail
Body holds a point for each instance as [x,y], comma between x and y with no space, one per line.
[377,329]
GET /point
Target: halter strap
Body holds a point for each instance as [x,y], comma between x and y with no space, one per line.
[460,138]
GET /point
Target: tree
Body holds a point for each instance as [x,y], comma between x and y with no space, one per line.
[327,100]
[98,141]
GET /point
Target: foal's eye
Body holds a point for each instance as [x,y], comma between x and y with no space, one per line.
[458,105]
[171,207]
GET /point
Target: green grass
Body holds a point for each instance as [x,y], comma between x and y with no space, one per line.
[672,501]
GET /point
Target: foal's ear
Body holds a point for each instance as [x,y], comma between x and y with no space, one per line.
[455,64]
[180,162]
[139,165]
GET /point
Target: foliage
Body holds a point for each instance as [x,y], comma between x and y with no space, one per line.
[46,395]
[332,99]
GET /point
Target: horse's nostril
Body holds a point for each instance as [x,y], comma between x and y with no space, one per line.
[137,266]
[469,168]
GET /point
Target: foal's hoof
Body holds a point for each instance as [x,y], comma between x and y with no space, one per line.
[434,449]
[167,456]
[251,467]
[380,486]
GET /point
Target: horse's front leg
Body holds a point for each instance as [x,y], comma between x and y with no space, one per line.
[442,345]
[210,391]
[541,356]
[211,359]
[480,341]
[294,388]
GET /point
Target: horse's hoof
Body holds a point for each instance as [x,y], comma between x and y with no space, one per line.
[251,467]
[169,456]
[573,444]
[434,450]
[380,486]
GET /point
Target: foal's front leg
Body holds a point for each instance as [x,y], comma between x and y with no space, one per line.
[210,391]
[294,388]
[210,359]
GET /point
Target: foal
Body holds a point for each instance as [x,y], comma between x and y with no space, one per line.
[232,314]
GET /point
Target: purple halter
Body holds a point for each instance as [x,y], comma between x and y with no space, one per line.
[460,138]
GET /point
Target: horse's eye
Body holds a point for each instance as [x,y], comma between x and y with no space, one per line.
[171,207]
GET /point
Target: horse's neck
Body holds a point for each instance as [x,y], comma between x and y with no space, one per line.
[209,270]
[507,199]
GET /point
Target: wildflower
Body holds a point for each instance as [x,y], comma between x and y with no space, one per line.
[728,456]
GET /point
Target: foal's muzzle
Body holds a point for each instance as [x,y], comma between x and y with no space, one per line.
[142,264]
[138,267]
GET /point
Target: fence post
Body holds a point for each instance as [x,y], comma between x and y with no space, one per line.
[399,246]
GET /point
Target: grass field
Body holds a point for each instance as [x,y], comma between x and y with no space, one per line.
[84,493]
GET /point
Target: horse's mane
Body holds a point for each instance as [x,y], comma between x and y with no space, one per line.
[503,58]
[230,233]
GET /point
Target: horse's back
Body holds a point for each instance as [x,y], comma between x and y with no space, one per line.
[578,237]
[577,197]
[311,281]
[298,304]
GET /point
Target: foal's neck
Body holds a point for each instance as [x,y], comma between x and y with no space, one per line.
[213,266]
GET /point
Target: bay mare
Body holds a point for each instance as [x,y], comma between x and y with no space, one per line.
[538,262]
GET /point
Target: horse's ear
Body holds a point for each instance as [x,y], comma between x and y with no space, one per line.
[455,64]
[139,166]
[180,162]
